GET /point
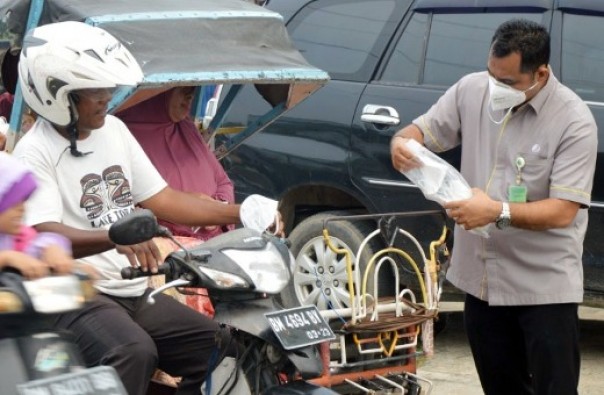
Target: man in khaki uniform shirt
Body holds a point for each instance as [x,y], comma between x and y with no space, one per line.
[529,151]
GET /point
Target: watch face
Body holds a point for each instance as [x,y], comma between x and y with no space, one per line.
[503,223]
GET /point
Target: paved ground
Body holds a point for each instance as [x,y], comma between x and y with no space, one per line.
[452,372]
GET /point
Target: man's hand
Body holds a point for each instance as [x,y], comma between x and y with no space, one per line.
[146,255]
[402,157]
[477,211]
[278,227]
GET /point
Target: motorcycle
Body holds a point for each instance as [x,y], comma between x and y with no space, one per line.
[34,359]
[242,271]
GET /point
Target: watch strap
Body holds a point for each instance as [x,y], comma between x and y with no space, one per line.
[505,217]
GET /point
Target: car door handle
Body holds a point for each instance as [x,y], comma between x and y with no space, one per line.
[383,115]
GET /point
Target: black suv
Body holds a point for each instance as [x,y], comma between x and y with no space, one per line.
[390,60]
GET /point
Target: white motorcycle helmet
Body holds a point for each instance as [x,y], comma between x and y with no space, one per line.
[59,58]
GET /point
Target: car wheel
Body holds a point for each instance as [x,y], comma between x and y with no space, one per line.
[319,274]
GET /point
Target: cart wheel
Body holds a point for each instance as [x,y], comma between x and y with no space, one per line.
[319,275]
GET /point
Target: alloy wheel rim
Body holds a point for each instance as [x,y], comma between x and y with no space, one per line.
[320,276]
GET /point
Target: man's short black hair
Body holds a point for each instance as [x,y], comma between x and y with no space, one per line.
[530,39]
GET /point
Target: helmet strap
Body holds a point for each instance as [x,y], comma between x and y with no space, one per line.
[73,139]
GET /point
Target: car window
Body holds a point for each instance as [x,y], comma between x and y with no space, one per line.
[457,44]
[583,55]
[404,64]
[342,37]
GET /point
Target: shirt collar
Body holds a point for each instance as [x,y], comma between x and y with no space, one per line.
[540,98]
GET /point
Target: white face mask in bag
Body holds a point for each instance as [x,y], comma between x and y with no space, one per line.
[502,96]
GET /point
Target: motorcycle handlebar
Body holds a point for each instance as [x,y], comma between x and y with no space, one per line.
[130,273]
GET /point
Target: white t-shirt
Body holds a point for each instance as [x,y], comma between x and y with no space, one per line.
[90,192]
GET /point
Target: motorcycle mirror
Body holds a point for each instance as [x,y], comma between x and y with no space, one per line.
[135,228]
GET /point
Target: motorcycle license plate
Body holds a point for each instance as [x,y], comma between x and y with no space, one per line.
[101,380]
[299,327]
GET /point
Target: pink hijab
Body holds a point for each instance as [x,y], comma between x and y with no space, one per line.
[180,155]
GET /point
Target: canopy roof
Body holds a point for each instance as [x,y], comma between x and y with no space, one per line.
[185,42]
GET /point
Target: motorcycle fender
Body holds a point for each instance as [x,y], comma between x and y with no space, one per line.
[307,360]
[248,316]
[299,388]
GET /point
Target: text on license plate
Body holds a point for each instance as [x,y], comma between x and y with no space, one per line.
[300,326]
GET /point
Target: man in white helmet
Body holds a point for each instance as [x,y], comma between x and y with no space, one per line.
[92,172]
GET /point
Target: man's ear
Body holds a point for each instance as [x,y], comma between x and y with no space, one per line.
[542,72]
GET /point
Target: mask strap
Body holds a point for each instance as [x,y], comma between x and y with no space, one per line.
[531,87]
[502,119]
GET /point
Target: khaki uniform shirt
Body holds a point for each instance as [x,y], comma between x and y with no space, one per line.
[556,135]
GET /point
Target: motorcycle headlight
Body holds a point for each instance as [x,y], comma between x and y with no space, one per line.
[267,268]
[56,294]
[224,280]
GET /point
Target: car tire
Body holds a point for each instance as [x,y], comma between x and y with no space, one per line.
[319,275]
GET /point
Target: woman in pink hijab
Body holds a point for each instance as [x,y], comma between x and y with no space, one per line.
[164,129]
[169,137]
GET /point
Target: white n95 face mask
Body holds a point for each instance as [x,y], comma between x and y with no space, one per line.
[502,96]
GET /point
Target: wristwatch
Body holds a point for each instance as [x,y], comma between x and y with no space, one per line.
[505,218]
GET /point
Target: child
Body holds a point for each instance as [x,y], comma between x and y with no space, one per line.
[21,247]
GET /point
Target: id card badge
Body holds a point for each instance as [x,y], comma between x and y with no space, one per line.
[517,194]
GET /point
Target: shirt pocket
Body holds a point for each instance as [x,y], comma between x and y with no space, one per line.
[536,175]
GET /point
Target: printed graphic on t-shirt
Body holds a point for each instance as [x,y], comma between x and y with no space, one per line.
[106,198]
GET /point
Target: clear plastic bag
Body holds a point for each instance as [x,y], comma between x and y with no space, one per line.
[439,181]
[259,213]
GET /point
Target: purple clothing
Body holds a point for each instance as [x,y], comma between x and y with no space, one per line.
[32,243]
[179,154]
[17,183]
